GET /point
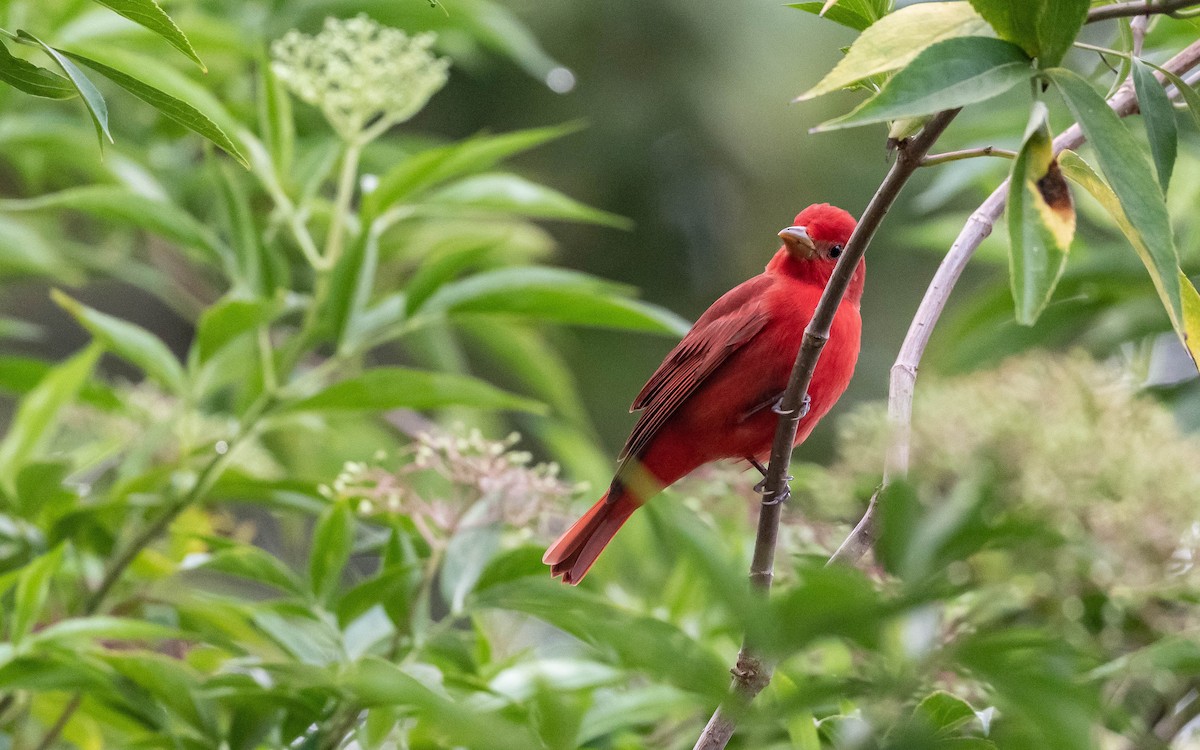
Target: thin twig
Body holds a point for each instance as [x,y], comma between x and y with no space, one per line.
[1126,10]
[752,674]
[967,153]
[904,371]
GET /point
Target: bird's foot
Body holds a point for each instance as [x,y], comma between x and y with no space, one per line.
[784,494]
[805,405]
[761,488]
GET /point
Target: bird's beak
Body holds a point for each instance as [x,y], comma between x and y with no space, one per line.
[798,242]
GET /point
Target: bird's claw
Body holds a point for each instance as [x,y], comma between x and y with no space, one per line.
[784,493]
[805,405]
[761,487]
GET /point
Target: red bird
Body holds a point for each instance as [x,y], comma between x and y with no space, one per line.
[712,397]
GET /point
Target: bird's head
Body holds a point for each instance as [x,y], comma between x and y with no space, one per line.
[812,245]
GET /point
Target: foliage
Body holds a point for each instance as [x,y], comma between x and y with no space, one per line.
[208,556]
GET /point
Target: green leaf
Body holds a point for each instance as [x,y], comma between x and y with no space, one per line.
[944,712]
[92,98]
[384,388]
[855,14]
[32,79]
[1159,115]
[230,318]
[1041,219]
[893,41]
[147,13]
[125,207]
[275,121]
[552,294]
[169,682]
[1043,28]
[374,682]
[1189,94]
[38,413]
[1187,322]
[171,107]
[102,627]
[251,563]
[333,540]
[33,587]
[633,640]
[426,169]
[467,554]
[648,705]
[1124,165]
[128,341]
[951,73]
[499,193]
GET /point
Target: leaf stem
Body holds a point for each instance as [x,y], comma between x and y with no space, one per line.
[967,153]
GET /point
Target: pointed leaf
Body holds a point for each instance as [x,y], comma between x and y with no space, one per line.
[948,74]
[894,40]
[1159,115]
[251,563]
[426,169]
[92,98]
[551,294]
[33,79]
[1125,167]
[384,388]
[128,341]
[1188,93]
[229,319]
[854,14]
[123,206]
[333,540]
[171,107]
[147,13]
[499,193]
[1187,323]
[33,587]
[1041,219]
[38,413]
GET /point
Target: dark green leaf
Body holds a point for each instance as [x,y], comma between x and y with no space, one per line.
[552,294]
[38,413]
[952,73]
[426,169]
[92,98]
[1189,94]
[333,540]
[33,79]
[498,193]
[399,388]
[1043,28]
[1159,115]
[171,107]
[147,13]
[1041,220]
[33,587]
[892,42]
[1124,165]
[128,341]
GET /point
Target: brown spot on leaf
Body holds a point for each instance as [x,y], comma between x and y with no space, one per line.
[1054,189]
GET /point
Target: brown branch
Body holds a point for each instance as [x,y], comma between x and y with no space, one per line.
[904,371]
[967,153]
[752,673]
[1126,10]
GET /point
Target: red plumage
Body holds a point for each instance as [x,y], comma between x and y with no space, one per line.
[711,397]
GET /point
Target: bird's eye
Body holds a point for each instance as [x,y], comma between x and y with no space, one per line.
[835,251]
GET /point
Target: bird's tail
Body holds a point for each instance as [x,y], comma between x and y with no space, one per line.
[575,551]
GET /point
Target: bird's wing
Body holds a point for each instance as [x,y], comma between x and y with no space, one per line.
[725,327]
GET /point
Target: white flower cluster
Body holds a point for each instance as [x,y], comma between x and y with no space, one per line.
[359,72]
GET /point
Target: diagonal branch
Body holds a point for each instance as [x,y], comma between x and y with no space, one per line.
[904,371]
[1126,10]
[752,673]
